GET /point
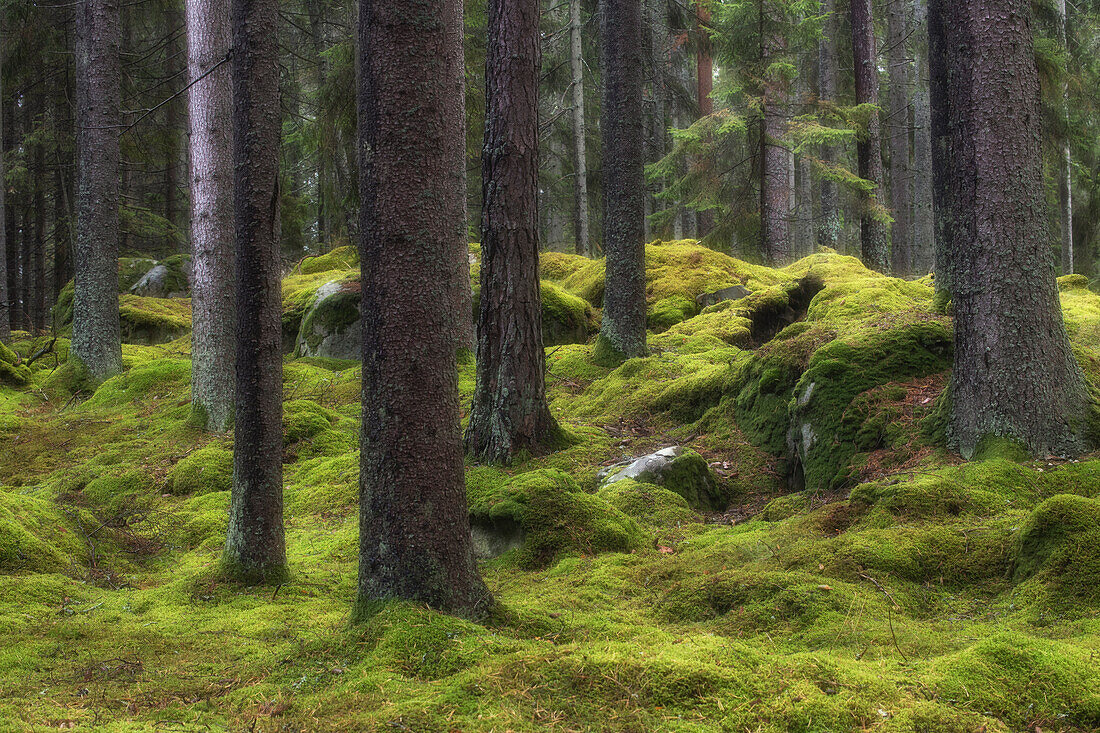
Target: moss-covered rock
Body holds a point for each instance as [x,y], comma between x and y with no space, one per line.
[649,504]
[331,327]
[169,278]
[683,472]
[1060,542]
[12,371]
[542,514]
[339,258]
[153,320]
[566,318]
[203,471]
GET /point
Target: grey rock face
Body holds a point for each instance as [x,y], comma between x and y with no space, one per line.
[737,292]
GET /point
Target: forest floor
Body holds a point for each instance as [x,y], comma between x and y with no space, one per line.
[832,567]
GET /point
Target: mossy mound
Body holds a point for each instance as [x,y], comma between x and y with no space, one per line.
[149,380]
[1060,544]
[339,258]
[299,295]
[11,370]
[557,266]
[547,514]
[566,318]
[648,504]
[35,536]
[154,320]
[202,472]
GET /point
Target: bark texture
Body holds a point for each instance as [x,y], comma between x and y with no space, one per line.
[414,529]
[873,232]
[582,245]
[704,86]
[1014,376]
[923,236]
[777,167]
[1065,161]
[509,407]
[623,329]
[255,546]
[5,241]
[897,128]
[210,101]
[97,338]
[38,246]
[829,224]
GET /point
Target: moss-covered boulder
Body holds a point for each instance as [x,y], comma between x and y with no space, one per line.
[566,318]
[339,258]
[649,504]
[12,372]
[1060,544]
[204,471]
[541,514]
[331,327]
[153,321]
[683,472]
[169,278]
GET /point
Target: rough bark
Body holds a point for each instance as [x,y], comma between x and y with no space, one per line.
[11,229]
[210,102]
[656,30]
[38,246]
[923,231]
[175,72]
[938,93]
[5,240]
[873,232]
[582,245]
[509,410]
[802,243]
[622,334]
[704,86]
[897,130]
[97,338]
[1065,162]
[777,168]
[828,231]
[255,546]
[1014,374]
[414,529]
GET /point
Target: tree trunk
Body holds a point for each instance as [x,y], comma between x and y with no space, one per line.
[828,231]
[414,527]
[623,334]
[176,72]
[317,35]
[777,166]
[704,86]
[939,100]
[97,338]
[897,113]
[873,232]
[656,25]
[11,227]
[213,347]
[1065,161]
[38,249]
[5,240]
[803,233]
[1015,375]
[509,410]
[255,546]
[580,159]
[923,232]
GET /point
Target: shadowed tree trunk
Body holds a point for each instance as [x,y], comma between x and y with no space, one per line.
[622,334]
[5,240]
[509,410]
[704,86]
[580,156]
[38,249]
[1014,376]
[213,345]
[414,527]
[176,73]
[777,168]
[873,232]
[901,199]
[11,229]
[255,546]
[828,231]
[1065,161]
[97,338]
[923,217]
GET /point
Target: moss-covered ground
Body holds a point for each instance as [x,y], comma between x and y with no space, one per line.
[861,578]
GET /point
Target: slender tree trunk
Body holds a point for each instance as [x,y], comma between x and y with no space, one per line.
[414,527]
[777,166]
[38,250]
[176,72]
[897,129]
[580,156]
[26,247]
[11,226]
[873,232]
[1065,162]
[939,99]
[1015,375]
[509,411]
[5,241]
[829,227]
[656,28]
[704,86]
[623,334]
[317,34]
[803,235]
[923,232]
[255,546]
[213,347]
[97,338]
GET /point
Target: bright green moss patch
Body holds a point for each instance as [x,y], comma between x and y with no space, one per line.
[649,504]
[339,258]
[207,469]
[35,536]
[1061,542]
[11,370]
[151,380]
[557,266]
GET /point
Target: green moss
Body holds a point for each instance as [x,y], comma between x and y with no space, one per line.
[566,318]
[203,471]
[35,536]
[557,266]
[324,485]
[554,515]
[649,504]
[11,370]
[1060,541]
[332,315]
[667,312]
[339,258]
[153,320]
[299,293]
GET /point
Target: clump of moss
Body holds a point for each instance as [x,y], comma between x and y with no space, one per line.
[325,484]
[553,514]
[649,504]
[335,309]
[557,266]
[154,320]
[203,471]
[35,536]
[566,318]
[11,370]
[339,258]
[1060,542]
[299,293]
[305,419]
[148,380]
[667,312]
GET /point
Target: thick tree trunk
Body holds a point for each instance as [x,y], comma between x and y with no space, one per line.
[580,155]
[1065,162]
[1015,375]
[255,546]
[317,35]
[623,334]
[777,168]
[873,232]
[897,128]
[656,26]
[939,100]
[923,232]
[509,410]
[213,345]
[829,226]
[414,527]
[97,339]
[5,241]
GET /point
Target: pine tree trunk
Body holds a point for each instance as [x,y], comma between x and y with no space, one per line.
[97,338]
[509,411]
[828,231]
[777,169]
[873,232]
[11,228]
[1065,162]
[623,334]
[414,528]
[255,546]
[939,101]
[317,35]
[38,250]
[5,240]
[210,101]
[1015,375]
[174,120]
[897,128]
[580,156]
[923,236]
[656,28]
[704,86]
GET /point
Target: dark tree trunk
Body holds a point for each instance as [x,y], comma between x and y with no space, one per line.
[213,347]
[828,231]
[5,239]
[938,94]
[873,232]
[923,216]
[509,407]
[1015,375]
[582,246]
[623,333]
[901,183]
[176,72]
[317,35]
[414,527]
[704,86]
[26,257]
[38,248]
[777,164]
[255,547]
[97,338]
[11,229]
